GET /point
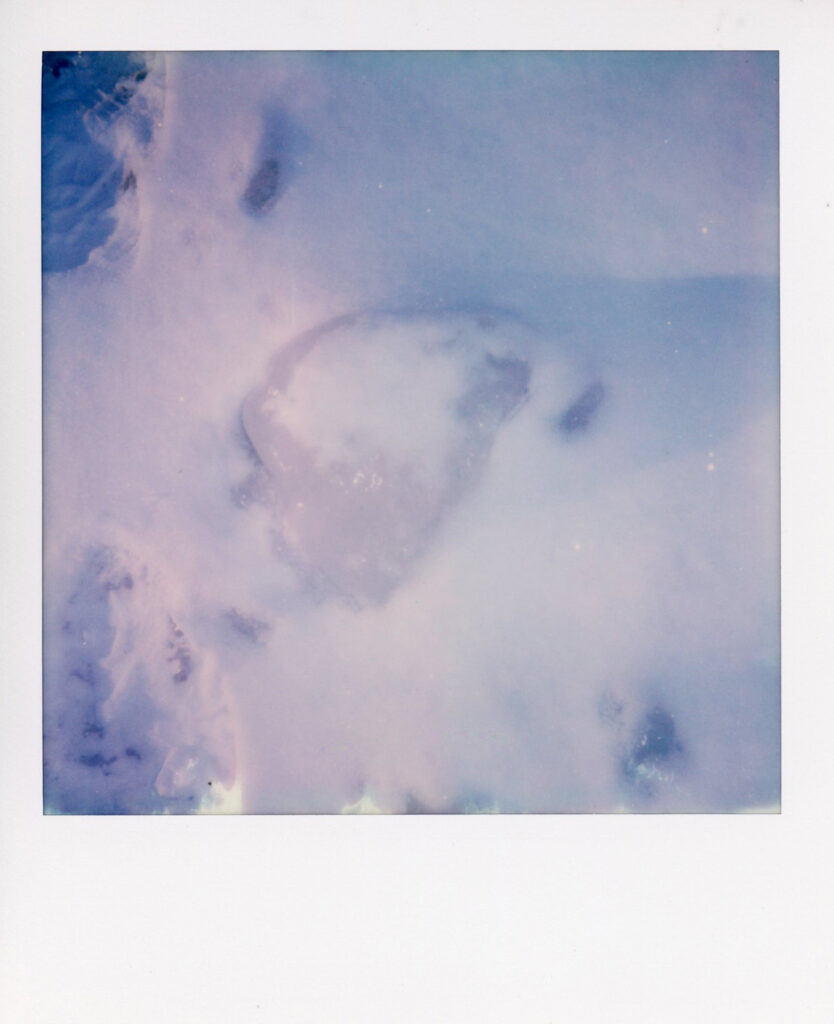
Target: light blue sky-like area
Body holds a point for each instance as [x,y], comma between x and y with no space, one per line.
[500,531]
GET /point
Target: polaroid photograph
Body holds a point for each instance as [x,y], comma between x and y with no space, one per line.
[416,530]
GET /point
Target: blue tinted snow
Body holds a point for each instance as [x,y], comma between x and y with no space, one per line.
[81,176]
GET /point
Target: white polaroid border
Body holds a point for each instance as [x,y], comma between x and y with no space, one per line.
[463,919]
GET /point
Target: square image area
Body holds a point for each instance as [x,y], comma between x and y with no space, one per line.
[411,437]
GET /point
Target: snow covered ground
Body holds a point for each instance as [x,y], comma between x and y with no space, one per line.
[411,432]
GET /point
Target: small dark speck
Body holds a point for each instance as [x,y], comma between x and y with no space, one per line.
[247,626]
[126,581]
[133,752]
[209,781]
[181,656]
[262,191]
[184,672]
[56,66]
[579,415]
[96,760]
[129,182]
[86,674]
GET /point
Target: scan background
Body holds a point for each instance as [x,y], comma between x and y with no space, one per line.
[742,885]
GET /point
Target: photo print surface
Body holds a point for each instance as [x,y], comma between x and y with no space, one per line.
[410,432]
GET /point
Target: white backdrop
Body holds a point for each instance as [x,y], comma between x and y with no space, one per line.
[428,919]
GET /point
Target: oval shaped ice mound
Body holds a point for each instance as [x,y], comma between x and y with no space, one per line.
[369,430]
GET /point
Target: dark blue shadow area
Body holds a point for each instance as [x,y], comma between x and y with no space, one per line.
[655,753]
[80,178]
[95,763]
[277,161]
[578,416]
